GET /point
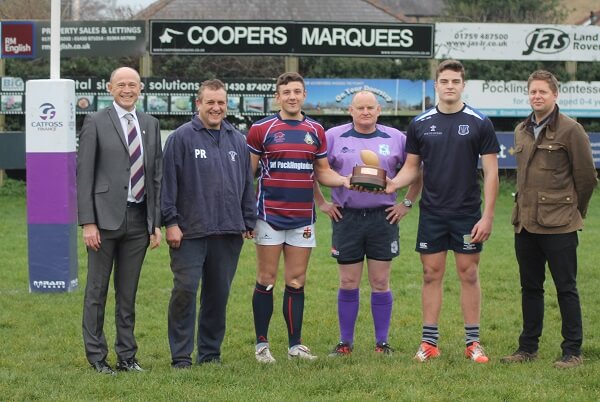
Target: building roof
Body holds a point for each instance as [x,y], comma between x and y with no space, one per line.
[592,19]
[412,9]
[275,10]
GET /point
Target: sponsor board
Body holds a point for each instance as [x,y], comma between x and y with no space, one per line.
[292,38]
[331,96]
[509,98]
[506,156]
[96,38]
[473,41]
[50,116]
[31,39]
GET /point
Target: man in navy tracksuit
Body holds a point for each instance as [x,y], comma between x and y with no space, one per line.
[208,207]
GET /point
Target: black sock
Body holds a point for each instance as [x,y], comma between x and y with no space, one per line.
[262,307]
[293,311]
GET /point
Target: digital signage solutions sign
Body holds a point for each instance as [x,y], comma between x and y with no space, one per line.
[291,38]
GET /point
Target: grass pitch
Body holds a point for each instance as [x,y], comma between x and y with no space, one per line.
[42,356]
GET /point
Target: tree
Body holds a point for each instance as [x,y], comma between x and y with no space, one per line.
[508,70]
[25,9]
[203,67]
[521,11]
[362,67]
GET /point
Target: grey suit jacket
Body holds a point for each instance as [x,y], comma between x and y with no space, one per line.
[103,170]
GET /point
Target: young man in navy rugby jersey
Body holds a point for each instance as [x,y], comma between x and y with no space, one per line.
[448,141]
[291,150]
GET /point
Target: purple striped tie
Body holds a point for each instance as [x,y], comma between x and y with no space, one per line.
[135,159]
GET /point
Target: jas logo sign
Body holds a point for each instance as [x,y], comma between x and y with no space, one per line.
[546,40]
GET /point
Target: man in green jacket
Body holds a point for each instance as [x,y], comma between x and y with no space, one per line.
[556,177]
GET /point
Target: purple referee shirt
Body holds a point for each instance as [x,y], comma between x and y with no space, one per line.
[343,152]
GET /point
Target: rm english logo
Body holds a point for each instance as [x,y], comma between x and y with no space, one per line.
[48,111]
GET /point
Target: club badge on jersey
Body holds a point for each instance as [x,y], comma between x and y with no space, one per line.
[463,129]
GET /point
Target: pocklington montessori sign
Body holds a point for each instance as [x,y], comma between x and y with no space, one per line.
[291,38]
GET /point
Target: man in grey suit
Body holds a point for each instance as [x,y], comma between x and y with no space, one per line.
[119,171]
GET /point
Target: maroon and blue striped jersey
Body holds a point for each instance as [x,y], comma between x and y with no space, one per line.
[287,150]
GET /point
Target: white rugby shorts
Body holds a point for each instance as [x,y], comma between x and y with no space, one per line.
[265,235]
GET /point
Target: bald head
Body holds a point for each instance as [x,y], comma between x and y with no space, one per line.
[125,87]
[363,96]
[365,110]
[124,70]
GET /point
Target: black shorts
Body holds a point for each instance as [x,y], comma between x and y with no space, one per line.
[441,233]
[364,233]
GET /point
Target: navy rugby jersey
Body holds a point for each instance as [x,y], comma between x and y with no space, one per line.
[449,146]
[287,150]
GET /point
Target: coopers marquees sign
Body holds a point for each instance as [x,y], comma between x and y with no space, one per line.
[294,38]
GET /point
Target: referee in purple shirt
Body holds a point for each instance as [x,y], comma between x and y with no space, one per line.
[365,224]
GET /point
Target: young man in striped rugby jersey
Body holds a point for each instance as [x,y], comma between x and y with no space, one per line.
[291,150]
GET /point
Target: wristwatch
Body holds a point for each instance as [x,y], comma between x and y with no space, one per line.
[407,203]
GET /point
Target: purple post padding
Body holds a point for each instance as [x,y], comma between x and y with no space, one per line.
[51,187]
[52,258]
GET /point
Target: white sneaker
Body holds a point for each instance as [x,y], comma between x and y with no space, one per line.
[263,354]
[300,352]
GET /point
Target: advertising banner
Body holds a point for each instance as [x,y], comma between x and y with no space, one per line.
[474,41]
[168,96]
[291,38]
[175,96]
[51,188]
[509,98]
[96,38]
[396,97]
[12,150]
[506,156]
[31,39]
